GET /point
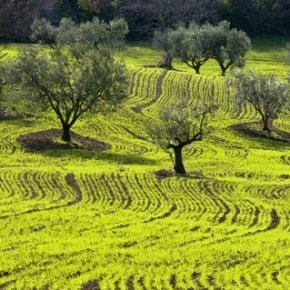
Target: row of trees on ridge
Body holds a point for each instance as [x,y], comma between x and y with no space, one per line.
[196,44]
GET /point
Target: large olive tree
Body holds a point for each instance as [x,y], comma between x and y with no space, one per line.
[72,81]
[180,125]
[79,73]
[265,93]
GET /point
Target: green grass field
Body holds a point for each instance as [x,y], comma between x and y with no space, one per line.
[80,219]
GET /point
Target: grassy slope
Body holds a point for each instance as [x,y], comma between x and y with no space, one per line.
[113,223]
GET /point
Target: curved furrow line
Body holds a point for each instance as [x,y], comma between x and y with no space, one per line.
[149,91]
[55,196]
[247,213]
[274,193]
[119,137]
[212,190]
[164,206]
[209,207]
[193,203]
[75,188]
[108,195]
[192,151]
[175,196]
[273,223]
[158,93]
[6,188]
[277,192]
[26,186]
[118,199]
[87,185]
[134,81]
[7,145]
[123,191]
[285,222]
[199,206]
[140,200]
[145,199]
[129,147]
[159,199]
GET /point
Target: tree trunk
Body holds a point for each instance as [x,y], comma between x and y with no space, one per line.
[66,133]
[266,124]
[197,69]
[166,62]
[178,164]
[223,71]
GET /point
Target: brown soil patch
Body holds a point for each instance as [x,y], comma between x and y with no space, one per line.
[45,140]
[252,130]
[165,173]
[91,285]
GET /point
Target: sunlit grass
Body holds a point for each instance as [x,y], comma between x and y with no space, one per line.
[74,217]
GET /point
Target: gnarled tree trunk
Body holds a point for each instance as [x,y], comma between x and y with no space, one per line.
[267,124]
[66,136]
[178,161]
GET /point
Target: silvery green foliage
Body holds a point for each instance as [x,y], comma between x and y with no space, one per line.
[191,45]
[96,32]
[266,93]
[181,123]
[72,84]
[227,46]
[196,44]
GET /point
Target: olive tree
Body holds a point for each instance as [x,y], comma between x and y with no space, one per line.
[191,45]
[79,73]
[265,93]
[178,126]
[72,81]
[228,46]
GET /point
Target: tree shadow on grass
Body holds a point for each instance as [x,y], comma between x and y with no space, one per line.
[47,143]
[277,138]
[117,158]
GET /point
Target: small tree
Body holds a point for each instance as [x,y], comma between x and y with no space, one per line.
[72,81]
[191,45]
[228,46]
[264,92]
[178,126]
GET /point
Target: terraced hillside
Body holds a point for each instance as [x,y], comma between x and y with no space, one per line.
[85,219]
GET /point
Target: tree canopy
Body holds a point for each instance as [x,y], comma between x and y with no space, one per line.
[95,32]
[265,93]
[180,125]
[196,44]
[228,46]
[79,73]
